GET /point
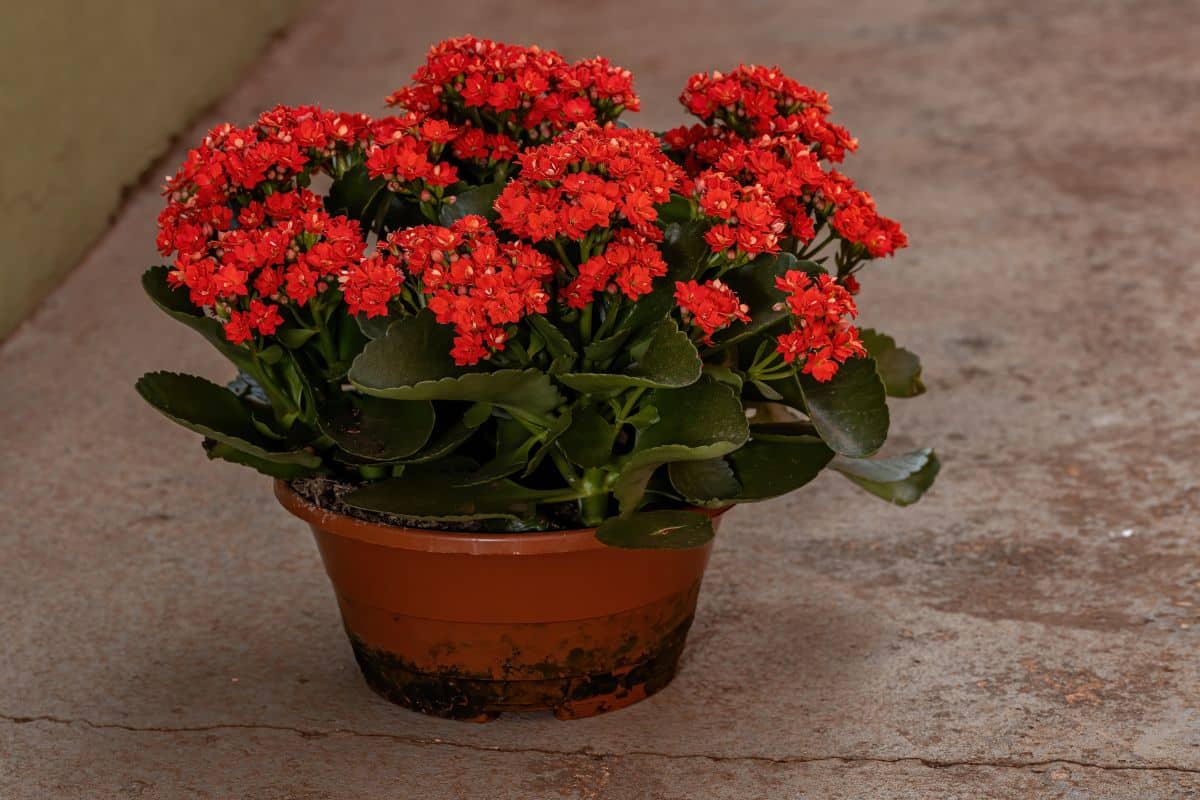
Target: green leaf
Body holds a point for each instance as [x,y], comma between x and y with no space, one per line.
[217,413]
[724,374]
[766,390]
[701,421]
[770,468]
[412,362]
[558,345]
[448,440]
[704,482]
[176,303]
[288,472]
[413,350]
[376,429]
[357,195]
[431,496]
[677,209]
[507,462]
[657,530]
[782,431]
[667,360]
[548,440]
[376,327]
[900,369]
[606,349]
[754,285]
[479,200]
[685,252]
[589,440]
[513,445]
[294,338]
[899,479]
[850,411]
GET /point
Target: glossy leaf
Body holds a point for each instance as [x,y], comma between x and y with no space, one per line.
[432,496]
[701,421]
[442,443]
[294,338]
[706,482]
[412,362]
[677,209]
[770,468]
[375,327]
[754,285]
[547,440]
[557,344]
[479,200]
[357,195]
[657,530]
[667,360]
[588,442]
[288,472]
[217,413]
[899,369]
[850,411]
[899,479]
[377,429]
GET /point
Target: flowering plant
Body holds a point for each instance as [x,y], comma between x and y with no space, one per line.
[510,308]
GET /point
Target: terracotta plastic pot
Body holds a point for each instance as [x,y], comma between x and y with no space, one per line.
[468,625]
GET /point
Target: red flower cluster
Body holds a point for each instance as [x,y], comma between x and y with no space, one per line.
[597,186]
[629,264]
[791,175]
[368,285]
[821,331]
[857,222]
[286,248]
[474,282]
[283,143]
[754,100]
[710,306]
[242,230]
[590,178]
[747,222]
[406,151]
[502,98]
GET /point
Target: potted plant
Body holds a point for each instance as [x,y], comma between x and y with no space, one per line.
[511,359]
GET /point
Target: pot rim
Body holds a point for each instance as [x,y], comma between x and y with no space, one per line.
[435,541]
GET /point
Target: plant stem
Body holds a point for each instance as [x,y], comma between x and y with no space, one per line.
[562,253]
[585,323]
[593,506]
[809,252]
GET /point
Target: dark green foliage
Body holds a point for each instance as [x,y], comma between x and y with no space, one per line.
[620,415]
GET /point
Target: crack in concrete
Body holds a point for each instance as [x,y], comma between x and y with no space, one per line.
[931,763]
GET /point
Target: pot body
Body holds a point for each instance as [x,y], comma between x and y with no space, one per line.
[469,625]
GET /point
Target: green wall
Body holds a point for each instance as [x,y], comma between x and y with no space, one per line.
[90,95]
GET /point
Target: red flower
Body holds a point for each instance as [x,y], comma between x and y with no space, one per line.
[237,329]
[592,177]
[754,100]
[368,285]
[474,282]
[710,306]
[265,317]
[821,334]
[532,92]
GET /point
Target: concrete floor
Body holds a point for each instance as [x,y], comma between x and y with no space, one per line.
[1029,630]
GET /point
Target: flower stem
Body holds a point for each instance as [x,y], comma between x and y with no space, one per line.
[593,506]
